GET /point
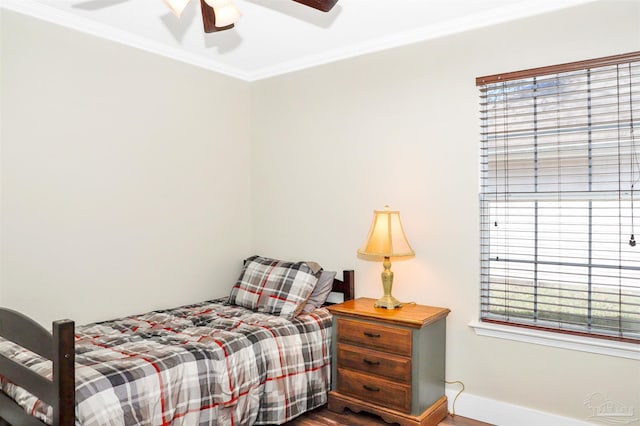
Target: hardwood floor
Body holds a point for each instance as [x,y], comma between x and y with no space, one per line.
[323,417]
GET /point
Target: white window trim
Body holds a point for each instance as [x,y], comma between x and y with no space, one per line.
[558,340]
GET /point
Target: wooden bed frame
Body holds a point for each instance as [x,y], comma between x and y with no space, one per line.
[59,348]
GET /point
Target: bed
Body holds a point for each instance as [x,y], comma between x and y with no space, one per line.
[260,356]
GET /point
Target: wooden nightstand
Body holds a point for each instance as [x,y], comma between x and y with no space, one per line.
[389,362]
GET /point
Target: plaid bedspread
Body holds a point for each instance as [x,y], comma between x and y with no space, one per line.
[204,364]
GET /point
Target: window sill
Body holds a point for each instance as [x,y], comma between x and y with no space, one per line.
[557,340]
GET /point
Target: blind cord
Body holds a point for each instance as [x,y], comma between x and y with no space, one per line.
[631,241]
[619,168]
[634,159]
[495,152]
[507,172]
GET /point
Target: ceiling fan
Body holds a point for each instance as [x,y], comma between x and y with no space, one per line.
[220,15]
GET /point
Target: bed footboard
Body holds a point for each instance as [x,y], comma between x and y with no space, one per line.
[59,348]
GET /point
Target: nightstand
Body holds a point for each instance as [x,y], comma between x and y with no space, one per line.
[389,362]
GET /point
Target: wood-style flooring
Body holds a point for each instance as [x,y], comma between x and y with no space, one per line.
[323,417]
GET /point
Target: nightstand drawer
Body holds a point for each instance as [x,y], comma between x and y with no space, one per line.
[375,390]
[372,362]
[389,339]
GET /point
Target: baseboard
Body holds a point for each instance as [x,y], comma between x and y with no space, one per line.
[505,414]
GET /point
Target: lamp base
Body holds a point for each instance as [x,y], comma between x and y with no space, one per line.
[388,302]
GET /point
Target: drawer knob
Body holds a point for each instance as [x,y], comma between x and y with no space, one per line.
[368,334]
[369,362]
[371,388]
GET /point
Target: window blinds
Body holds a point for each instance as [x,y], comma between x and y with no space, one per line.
[560,197]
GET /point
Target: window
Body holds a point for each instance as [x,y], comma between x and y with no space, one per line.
[560,199]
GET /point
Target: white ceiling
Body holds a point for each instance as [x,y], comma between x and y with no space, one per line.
[278,36]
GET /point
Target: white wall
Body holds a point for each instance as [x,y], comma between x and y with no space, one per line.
[124,183]
[332,143]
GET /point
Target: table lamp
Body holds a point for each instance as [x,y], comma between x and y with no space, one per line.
[386,239]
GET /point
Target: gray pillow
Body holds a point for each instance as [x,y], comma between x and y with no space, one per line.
[320,291]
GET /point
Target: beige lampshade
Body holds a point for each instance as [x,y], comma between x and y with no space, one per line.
[226,12]
[176,6]
[386,236]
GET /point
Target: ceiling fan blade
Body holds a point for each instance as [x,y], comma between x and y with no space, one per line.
[209,19]
[323,5]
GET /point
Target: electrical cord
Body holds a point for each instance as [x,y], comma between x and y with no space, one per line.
[453,405]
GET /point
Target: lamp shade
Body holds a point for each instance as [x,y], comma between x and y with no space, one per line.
[176,6]
[226,12]
[386,236]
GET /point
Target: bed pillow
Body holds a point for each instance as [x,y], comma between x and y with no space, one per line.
[321,291]
[273,286]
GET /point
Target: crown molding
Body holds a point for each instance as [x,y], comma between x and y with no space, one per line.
[454,26]
[507,13]
[69,20]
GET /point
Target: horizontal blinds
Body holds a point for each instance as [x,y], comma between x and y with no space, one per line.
[560,173]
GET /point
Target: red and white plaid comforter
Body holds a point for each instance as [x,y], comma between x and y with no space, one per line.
[204,364]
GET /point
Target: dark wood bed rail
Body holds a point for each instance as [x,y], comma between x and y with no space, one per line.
[59,348]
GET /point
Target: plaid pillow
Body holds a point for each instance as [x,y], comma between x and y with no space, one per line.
[273,287]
